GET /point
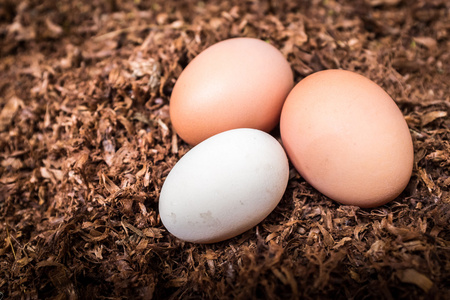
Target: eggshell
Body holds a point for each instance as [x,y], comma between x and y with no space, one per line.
[347,138]
[236,83]
[224,186]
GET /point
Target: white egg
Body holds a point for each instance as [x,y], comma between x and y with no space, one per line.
[224,186]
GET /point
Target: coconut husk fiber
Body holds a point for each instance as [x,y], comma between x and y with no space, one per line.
[86,143]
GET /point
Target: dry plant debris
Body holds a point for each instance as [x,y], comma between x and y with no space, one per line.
[86,143]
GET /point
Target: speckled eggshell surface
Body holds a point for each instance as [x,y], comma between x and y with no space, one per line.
[224,186]
[347,138]
[236,83]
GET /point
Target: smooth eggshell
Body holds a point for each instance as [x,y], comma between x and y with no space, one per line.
[347,138]
[224,186]
[236,83]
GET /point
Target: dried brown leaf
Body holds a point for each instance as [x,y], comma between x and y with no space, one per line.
[54,29]
[110,186]
[428,42]
[342,242]
[426,179]
[431,116]
[377,250]
[414,277]
[8,112]
[382,2]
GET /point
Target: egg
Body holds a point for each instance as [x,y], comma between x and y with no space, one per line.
[224,186]
[236,83]
[347,138]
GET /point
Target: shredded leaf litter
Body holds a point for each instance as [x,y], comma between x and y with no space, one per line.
[86,143]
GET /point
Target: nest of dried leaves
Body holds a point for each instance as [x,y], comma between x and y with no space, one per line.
[86,143]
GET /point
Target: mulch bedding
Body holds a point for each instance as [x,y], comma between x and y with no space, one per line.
[86,143]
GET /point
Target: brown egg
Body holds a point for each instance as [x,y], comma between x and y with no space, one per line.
[347,138]
[236,83]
